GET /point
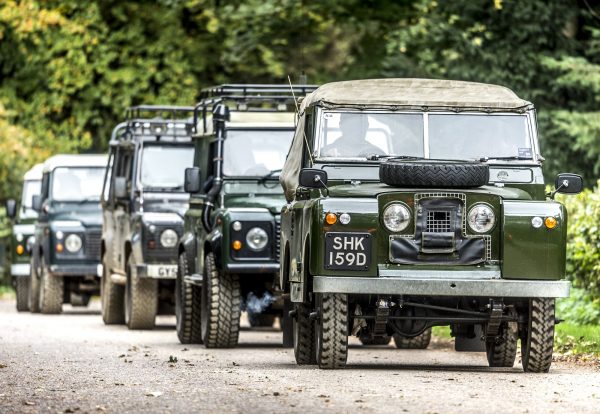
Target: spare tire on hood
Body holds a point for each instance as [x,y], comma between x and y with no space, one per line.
[433,173]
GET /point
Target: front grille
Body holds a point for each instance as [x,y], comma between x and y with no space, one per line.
[277,237]
[438,222]
[93,241]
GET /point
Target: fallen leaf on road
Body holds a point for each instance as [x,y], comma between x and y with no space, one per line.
[154,394]
[172,359]
[184,349]
[3,365]
[28,403]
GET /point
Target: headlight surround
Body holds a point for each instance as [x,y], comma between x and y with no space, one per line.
[73,243]
[481,218]
[257,239]
[168,238]
[29,243]
[396,217]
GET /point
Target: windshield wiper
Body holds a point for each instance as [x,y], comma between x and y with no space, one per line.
[511,157]
[375,157]
[267,176]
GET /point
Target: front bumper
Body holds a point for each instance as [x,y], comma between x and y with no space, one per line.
[157,271]
[252,267]
[20,269]
[69,270]
[442,287]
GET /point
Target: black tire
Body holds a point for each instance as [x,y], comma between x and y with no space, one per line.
[418,342]
[141,299]
[51,291]
[112,299]
[187,306]
[503,351]
[261,320]
[287,325]
[221,298]
[431,173]
[332,330]
[377,340]
[537,336]
[305,340]
[22,290]
[33,298]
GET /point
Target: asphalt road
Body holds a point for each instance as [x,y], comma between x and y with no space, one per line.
[73,363]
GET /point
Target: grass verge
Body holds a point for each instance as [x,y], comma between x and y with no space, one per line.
[6,292]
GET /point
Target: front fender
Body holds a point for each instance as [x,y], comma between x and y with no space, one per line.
[187,245]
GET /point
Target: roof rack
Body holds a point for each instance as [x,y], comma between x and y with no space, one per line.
[250,97]
[156,120]
[153,111]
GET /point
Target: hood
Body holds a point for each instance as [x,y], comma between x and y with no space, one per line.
[88,218]
[166,206]
[272,203]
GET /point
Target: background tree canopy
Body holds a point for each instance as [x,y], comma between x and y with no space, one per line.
[68,68]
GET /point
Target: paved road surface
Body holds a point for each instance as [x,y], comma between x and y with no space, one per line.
[73,363]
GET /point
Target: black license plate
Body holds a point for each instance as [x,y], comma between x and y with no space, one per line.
[347,251]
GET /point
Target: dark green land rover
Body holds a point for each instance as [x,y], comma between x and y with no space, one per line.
[415,203]
[65,257]
[22,234]
[142,205]
[229,252]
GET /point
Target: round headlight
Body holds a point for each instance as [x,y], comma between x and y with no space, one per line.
[396,217]
[29,244]
[257,238]
[481,218]
[168,238]
[73,243]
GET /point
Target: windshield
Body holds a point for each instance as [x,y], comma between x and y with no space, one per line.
[254,153]
[30,188]
[77,183]
[164,166]
[450,136]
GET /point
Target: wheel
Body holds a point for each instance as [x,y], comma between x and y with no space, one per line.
[33,299]
[332,330]
[503,351]
[141,299]
[429,173]
[286,325]
[113,296]
[220,306]
[187,306]
[51,291]
[305,348]
[377,340]
[22,288]
[261,320]
[537,336]
[417,342]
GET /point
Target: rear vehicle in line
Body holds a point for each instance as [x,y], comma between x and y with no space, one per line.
[65,258]
[143,204]
[229,253]
[415,203]
[23,217]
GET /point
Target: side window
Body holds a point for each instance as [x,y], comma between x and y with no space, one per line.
[106,187]
[45,186]
[308,133]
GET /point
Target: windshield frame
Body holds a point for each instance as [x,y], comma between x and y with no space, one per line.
[139,159]
[290,129]
[50,190]
[530,128]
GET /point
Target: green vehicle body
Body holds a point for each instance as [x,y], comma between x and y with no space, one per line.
[520,263]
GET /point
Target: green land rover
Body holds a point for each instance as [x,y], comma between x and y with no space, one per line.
[22,234]
[415,203]
[229,252]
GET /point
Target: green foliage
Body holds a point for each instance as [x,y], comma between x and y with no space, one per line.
[577,340]
[583,247]
[578,309]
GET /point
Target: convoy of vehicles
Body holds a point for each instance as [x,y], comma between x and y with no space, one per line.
[65,256]
[404,204]
[416,203]
[143,204]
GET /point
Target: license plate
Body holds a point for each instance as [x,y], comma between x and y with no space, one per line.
[347,251]
[162,271]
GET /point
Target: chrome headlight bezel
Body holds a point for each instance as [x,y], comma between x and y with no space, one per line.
[257,239]
[73,243]
[168,238]
[486,215]
[396,217]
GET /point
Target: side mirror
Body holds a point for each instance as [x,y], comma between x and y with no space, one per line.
[120,189]
[11,209]
[313,178]
[36,203]
[567,183]
[192,180]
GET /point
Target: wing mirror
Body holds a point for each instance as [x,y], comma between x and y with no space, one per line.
[313,178]
[567,183]
[11,209]
[36,203]
[120,188]
[192,180]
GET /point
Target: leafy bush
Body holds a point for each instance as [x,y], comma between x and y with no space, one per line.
[579,308]
[583,247]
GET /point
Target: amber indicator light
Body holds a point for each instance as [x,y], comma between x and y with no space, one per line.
[59,248]
[331,218]
[20,249]
[237,245]
[550,222]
